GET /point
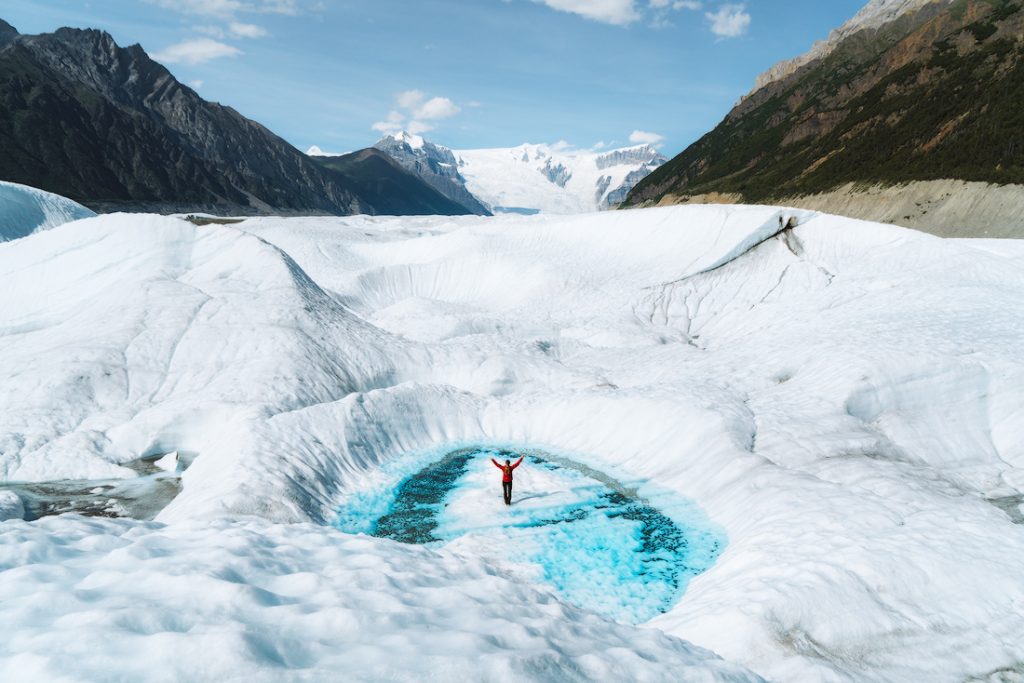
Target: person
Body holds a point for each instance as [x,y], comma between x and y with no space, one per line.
[506,476]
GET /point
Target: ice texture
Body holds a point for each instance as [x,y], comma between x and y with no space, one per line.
[845,400]
[24,210]
[599,543]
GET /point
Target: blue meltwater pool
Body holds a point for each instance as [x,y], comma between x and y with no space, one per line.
[623,549]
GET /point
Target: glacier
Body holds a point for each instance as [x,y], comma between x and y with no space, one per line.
[843,400]
[539,178]
[24,210]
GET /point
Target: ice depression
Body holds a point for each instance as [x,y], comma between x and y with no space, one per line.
[844,399]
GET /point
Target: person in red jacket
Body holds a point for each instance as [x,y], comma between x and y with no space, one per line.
[506,476]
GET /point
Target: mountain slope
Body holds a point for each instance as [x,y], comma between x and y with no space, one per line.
[933,94]
[382,181]
[113,129]
[434,164]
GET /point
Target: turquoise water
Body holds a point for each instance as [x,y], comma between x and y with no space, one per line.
[623,549]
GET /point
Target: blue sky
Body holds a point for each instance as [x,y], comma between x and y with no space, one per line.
[465,73]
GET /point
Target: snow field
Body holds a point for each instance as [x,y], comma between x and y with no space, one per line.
[843,399]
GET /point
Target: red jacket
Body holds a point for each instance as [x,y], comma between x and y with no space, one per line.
[506,476]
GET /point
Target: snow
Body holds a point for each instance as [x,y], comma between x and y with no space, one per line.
[514,178]
[407,138]
[843,400]
[315,151]
[24,210]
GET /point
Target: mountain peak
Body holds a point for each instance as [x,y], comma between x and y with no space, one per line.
[406,138]
[7,33]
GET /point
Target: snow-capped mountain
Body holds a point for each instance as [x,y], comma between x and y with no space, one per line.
[434,164]
[530,178]
[554,179]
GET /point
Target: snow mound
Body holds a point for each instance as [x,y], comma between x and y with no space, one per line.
[24,210]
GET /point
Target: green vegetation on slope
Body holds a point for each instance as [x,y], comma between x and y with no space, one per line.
[934,95]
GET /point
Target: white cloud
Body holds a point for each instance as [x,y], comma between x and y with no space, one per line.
[617,12]
[229,8]
[240,30]
[410,99]
[415,113]
[436,108]
[623,12]
[675,4]
[729,21]
[196,84]
[196,51]
[642,137]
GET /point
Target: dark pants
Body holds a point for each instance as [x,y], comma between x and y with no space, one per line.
[506,487]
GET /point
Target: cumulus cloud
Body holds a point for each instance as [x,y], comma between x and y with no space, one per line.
[619,12]
[623,12]
[643,137]
[240,30]
[196,51]
[416,113]
[729,21]
[675,4]
[229,8]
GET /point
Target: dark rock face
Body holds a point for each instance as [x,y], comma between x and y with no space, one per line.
[932,95]
[111,128]
[433,164]
[556,173]
[391,189]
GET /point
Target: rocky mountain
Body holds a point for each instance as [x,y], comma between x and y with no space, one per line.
[912,99]
[554,179]
[434,164]
[111,128]
[379,179]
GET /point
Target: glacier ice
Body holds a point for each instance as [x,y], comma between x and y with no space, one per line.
[844,399]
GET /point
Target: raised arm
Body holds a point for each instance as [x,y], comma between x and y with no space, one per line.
[497,464]
[518,462]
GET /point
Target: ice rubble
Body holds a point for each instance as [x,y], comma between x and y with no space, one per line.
[24,209]
[843,398]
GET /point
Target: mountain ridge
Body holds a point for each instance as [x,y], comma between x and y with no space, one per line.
[111,128]
[928,96]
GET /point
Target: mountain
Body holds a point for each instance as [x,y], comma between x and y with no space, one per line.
[112,129]
[910,113]
[377,178]
[434,164]
[552,179]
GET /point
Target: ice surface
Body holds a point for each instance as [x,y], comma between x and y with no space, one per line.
[24,210]
[844,399]
[599,543]
[11,506]
[106,600]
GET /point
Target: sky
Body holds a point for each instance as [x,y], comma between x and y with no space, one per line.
[467,74]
